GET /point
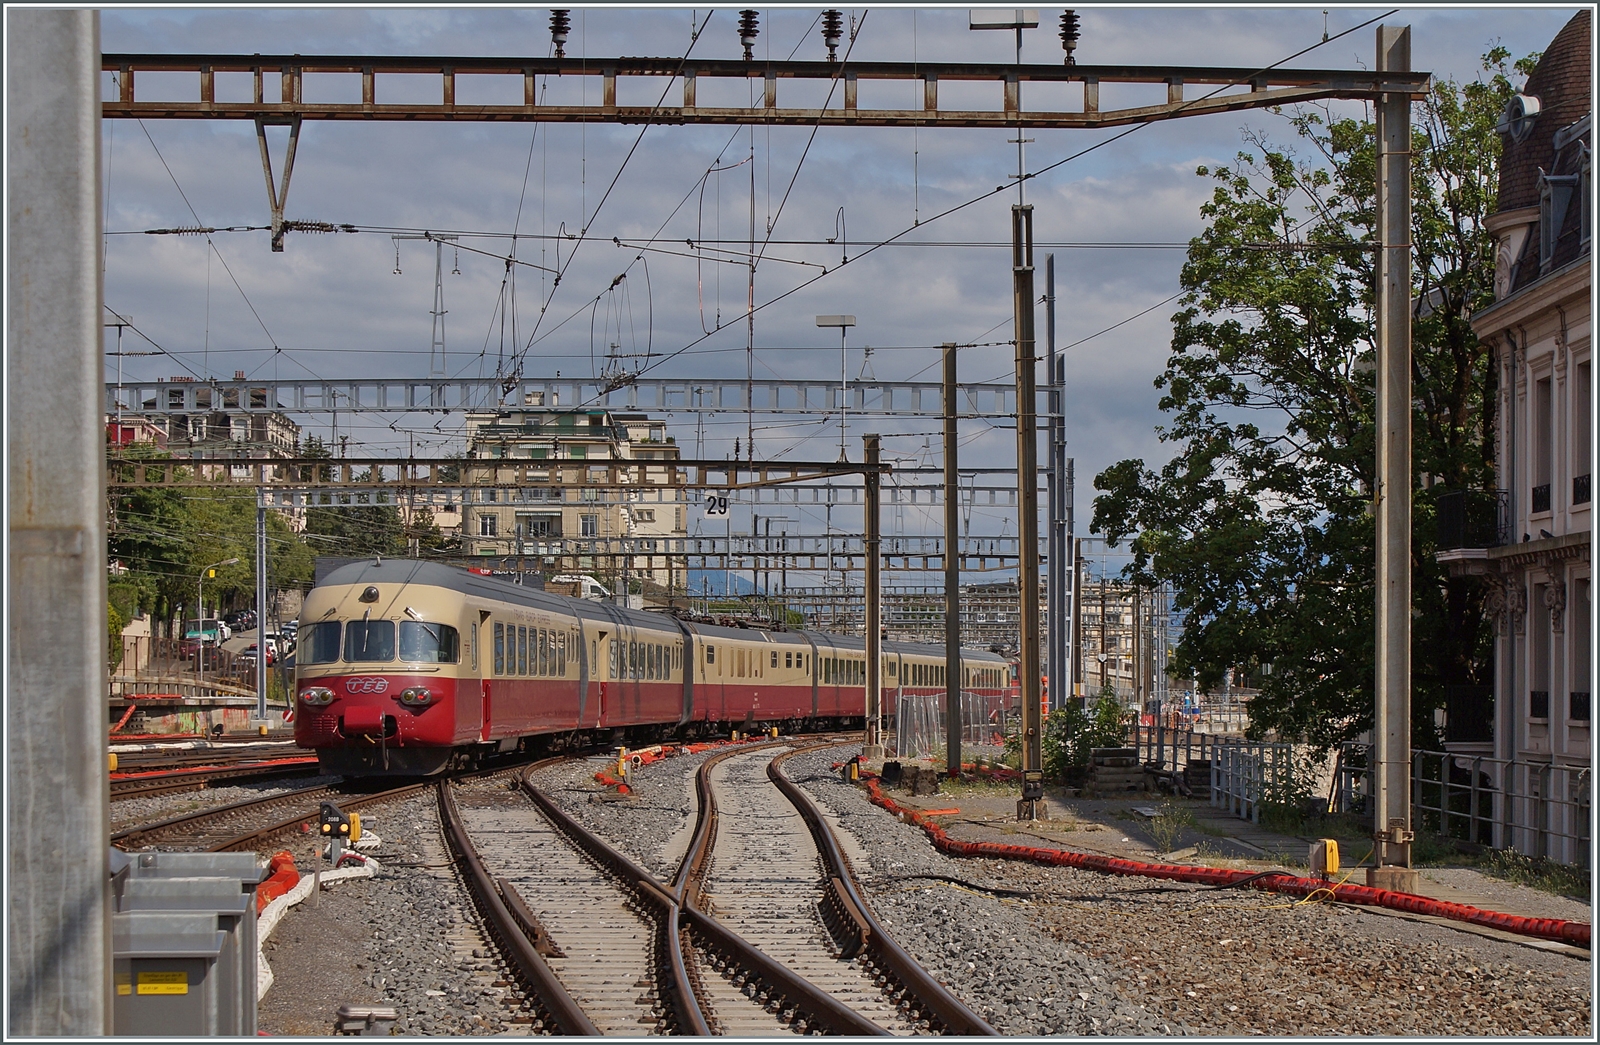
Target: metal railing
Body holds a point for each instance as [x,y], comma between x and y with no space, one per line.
[1580,489]
[1174,748]
[1248,774]
[1472,519]
[1537,808]
[1540,499]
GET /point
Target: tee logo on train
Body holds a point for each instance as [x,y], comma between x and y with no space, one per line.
[366,685]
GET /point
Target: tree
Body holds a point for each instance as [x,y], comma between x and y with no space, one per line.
[1262,522]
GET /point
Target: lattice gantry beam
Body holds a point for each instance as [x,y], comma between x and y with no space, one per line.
[432,483]
[286,88]
[802,553]
[661,395]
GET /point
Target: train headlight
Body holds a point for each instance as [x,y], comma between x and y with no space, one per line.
[416,696]
[316,696]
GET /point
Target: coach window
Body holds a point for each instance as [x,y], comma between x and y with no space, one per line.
[499,648]
[321,645]
[561,655]
[369,640]
[544,653]
[429,643]
[522,650]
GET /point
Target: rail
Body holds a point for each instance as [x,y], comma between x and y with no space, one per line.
[818,1009]
[678,991]
[559,1009]
[939,1005]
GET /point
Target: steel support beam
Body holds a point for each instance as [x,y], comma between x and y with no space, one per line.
[1242,89]
[1028,510]
[952,576]
[58,914]
[874,600]
[1393,722]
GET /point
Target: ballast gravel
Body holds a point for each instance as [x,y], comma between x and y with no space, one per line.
[409,938]
[956,920]
[651,826]
[133,811]
[1190,959]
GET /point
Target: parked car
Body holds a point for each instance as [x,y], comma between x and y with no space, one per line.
[249,654]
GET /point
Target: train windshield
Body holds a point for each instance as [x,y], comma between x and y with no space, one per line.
[319,643]
[369,640]
[428,643]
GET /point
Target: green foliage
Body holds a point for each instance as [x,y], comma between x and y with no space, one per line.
[1071,733]
[1261,522]
[131,595]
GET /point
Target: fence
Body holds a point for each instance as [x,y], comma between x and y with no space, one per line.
[1175,748]
[1246,774]
[151,661]
[1538,809]
[920,729]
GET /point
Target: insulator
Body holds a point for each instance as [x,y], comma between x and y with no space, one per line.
[560,22]
[1069,35]
[832,31]
[749,29]
[185,230]
[310,226]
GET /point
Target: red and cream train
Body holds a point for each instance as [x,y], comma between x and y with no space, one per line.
[408,668]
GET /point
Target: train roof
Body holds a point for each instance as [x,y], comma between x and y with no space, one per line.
[456,578]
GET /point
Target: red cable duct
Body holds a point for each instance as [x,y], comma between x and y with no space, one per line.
[1559,929]
[284,876]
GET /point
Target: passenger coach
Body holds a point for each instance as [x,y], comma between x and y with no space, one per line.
[409,668]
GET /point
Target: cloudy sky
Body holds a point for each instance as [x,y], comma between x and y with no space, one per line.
[335,307]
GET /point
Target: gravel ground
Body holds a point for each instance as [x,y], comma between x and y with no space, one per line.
[1185,958]
[978,943]
[131,812]
[409,938]
[651,826]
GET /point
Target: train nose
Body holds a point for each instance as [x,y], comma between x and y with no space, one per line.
[360,719]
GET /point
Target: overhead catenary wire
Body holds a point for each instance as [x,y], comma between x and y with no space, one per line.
[1026,176]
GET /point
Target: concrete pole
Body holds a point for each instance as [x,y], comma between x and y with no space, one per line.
[1393,725]
[952,572]
[874,745]
[1028,808]
[57,796]
[261,605]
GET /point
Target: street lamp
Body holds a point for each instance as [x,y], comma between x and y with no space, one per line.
[843,323]
[200,617]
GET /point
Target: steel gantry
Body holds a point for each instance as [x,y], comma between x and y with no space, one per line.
[867,397]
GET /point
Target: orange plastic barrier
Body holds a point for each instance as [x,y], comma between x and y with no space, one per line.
[1576,933]
[284,876]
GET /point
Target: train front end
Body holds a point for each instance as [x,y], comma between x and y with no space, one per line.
[382,674]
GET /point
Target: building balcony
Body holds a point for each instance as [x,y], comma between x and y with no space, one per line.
[1473,519]
[1580,489]
[1539,704]
[1578,706]
[1539,499]
[1469,714]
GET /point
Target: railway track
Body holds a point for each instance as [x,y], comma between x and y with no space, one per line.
[606,948]
[154,782]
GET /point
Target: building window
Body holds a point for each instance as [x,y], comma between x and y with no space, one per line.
[590,525]
[1582,615]
[644,515]
[1580,432]
[1543,416]
[488,525]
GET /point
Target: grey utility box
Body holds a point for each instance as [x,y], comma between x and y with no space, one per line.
[164,964]
[159,896]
